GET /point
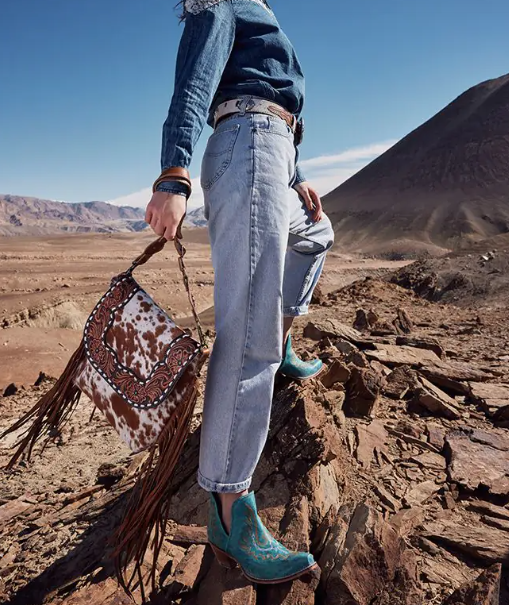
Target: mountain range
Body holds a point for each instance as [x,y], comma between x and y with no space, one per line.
[32,216]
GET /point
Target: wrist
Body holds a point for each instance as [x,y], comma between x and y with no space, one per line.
[175,187]
[174,180]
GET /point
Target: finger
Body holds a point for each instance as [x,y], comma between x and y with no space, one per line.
[169,233]
[307,200]
[317,204]
[158,227]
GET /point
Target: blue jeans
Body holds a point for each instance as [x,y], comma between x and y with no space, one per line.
[267,256]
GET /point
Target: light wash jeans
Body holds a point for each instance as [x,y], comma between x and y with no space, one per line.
[267,256]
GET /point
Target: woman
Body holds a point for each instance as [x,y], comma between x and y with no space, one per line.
[237,70]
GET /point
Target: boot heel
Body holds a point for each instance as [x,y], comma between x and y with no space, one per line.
[224,559]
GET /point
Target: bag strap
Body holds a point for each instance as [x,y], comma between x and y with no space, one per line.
[155,247]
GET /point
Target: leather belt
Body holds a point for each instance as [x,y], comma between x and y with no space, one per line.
[253,105]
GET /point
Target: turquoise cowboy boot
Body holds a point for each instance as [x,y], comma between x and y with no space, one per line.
[262,559]
[293,367]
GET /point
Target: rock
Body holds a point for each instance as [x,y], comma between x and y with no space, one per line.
[440,567]
[106,593]
[434,400]
[393,356]
[490,510]
[337,372]
[224,587]
[370,438]
[294,527]
[345,347]
[357,358]
[400,382]
[409,428]
[477,540]
[12,509]
[319,297]
[108,474]
[442,378]
[331,328]
[405,521]
[387,499]
[187,573]
[82,495]
[475,464]
[428,343]
[413,440]
[299,592]
[436,436]
[484,590]
[10,390]
[42,378]
[431,461]
[372,317]
[449,375]
[418,494]
[362,393]
[364,559]
[188,534]
[490,397]
[380,369]
[383,328]
[361,322]
[403,323]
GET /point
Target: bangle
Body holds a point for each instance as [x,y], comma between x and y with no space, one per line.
[180,175]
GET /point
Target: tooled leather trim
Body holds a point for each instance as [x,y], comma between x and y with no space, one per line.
[141,394]
[197,6]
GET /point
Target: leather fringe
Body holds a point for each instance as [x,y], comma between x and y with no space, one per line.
[147,511]
[52,410]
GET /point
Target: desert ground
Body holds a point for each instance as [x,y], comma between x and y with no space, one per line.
[50,284]
[393,467]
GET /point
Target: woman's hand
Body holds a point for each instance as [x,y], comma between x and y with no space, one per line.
[311,199]
[165,212]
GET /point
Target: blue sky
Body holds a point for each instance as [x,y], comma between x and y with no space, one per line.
[85,86]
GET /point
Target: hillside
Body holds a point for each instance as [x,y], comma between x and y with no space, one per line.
[32,216]
[476,277]
[443,186]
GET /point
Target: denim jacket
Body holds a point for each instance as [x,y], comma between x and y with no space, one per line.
[229,48]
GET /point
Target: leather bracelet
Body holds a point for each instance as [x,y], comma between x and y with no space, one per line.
[179,175]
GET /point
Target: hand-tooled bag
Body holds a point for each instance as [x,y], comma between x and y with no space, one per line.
[140,369]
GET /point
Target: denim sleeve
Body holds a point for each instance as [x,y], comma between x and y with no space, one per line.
[205,46]
[299,175]
[173,187]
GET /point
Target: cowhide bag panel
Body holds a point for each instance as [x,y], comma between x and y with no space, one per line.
[139,364]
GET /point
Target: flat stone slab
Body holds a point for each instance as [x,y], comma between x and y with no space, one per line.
[436,401]
[490,397]
[477,459]
[484,590]
[393,355]
[488,544]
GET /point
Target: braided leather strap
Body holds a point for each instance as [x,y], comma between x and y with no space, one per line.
[155,247]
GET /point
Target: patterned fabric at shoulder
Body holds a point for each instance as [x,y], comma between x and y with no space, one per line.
[197,6]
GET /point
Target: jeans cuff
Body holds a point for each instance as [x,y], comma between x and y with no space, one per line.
[296,311]
[222,488]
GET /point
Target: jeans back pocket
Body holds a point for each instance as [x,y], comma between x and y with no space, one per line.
[218,155]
